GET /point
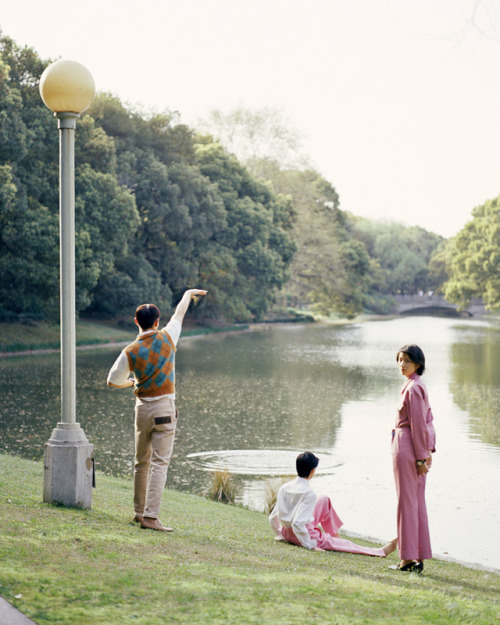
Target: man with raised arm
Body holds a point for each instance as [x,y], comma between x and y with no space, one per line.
[148,364]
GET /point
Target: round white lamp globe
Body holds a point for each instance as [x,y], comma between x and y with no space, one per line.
[67,87]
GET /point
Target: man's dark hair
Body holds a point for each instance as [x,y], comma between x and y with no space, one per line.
[415,354]
[305,463]
[146,315]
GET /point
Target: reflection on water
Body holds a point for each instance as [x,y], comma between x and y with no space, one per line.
[475,387]
[251,401]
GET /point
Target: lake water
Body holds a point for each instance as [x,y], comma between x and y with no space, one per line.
[251,401]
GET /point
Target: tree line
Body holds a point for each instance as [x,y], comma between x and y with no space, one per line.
[161,207]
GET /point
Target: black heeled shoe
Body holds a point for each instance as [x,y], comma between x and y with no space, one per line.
[409,567]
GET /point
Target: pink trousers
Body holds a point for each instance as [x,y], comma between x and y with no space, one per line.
[413,527]
[327,535]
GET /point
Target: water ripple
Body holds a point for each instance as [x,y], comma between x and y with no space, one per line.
[257,461]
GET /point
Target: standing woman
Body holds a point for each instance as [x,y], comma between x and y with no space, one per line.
[413,442]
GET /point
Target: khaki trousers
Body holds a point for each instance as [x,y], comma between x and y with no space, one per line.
[155,423]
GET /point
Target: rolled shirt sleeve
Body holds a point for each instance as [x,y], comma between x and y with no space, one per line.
[120,371]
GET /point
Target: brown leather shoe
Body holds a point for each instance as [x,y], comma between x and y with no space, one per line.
[137,518]
[148,523]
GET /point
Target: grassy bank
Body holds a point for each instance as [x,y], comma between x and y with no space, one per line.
[17,337]
[221,565]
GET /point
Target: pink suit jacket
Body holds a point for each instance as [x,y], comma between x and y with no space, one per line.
[415,413]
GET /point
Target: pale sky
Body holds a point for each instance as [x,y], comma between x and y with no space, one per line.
[398,100]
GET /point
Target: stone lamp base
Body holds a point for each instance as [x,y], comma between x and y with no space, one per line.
[68,467]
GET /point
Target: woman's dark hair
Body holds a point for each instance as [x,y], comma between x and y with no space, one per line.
[305,463]
[146,315]
[415,354]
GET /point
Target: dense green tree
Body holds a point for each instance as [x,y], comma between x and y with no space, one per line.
[204,220]
[474,259]
[28,255]
[8,192]
[105,213]
[12,129]
[28,228]
[160,135]
[402,268]
[95,147]
[258,233]
[35,166]
[133,280]
[330,270]
[180,211]
[437,268]
[402,253]
[159,209]
[106,216]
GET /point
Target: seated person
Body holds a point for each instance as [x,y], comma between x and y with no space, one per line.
[297,515]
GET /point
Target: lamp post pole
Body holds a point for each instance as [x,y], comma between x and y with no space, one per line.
[67,127]
[67,88]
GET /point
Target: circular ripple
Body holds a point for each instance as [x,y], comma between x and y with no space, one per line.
[257,461]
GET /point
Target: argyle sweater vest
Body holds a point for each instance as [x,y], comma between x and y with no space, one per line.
[152,360]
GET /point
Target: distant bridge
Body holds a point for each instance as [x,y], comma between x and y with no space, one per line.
[430,304]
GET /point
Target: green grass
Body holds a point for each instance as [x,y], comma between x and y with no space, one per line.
[221,565]
[17,337]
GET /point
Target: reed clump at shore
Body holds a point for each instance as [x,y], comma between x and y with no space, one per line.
[221,565]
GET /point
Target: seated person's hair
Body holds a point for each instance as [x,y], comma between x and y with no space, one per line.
[305,463]
[146,315]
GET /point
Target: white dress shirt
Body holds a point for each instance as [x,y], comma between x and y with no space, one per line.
[120,371]
[295,508]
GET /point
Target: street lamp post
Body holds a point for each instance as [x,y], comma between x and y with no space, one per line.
[67,88]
